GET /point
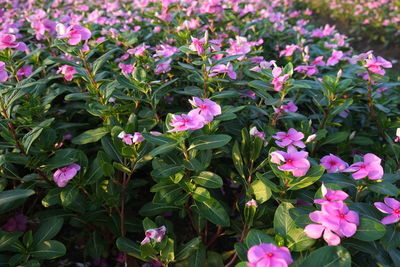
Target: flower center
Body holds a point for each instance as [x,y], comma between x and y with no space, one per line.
[397,211]
[341,216]
[269,254]
[332,163]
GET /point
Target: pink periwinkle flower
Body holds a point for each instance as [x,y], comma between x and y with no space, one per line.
[397,139]
[163,67]
[130,139]
[68,72]
[256,133]
[9,41]
[74,33]
[63,175]
[268,255]
[165,50]
[308,70]
[290,139]
[289,107]
[17,223]
[156,234]
[295,161]
[278,80]
[335,57]
[197,45]
[289,50]
[370,167]
[376,65]
[318,61]
[221,68]
[392,207]
[24,71]
[251,203]
[3,72]
[126,68]
[240,46]
[330,196]
[206,108]
[333,163]
[191,121]
[248,93]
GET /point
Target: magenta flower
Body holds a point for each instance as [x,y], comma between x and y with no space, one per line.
[330,195]
[221,68]
[248,93]
[9,41]
[163,67]
[376,65]
[191,121]
[156,234]
[308,70]
[289,50]
[318,61]
[371,168]
[126,68]
[164,50]
[290,139]
[392,207]
[254,132]
[240,46]
[130,139]
[74,33]
[289,107]
[63,175]
[206,108]
[315,231]
[139,50]
[278,80]
[295,161]
[3,72]
[335,57]
[268,255]
[17,223]
[68,72]
[333,164]
[24,71]
[197,45]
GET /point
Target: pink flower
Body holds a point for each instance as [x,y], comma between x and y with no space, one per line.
[130,139]
[206,108]
[17,223]
[221,68]
[68,72]
[289,50]
[74,33]
[318,61]
[191,121]
[371,168]
[251,203]
[278,80]
[9,41]
[289,107]
[376,65]
[295,161]
[240,46]
[163,67]
[63,175]
[139,50]
[290,139]
[24,71]
[315,231]
[254,132]
[164,50]
[126,68]
[310,138]
[397,139]
[308,70]
[3,72]
[330,195]
[392,207]
[197,45]
[333,164]
[268,255]
[156,234]
[248,93]
[334,59]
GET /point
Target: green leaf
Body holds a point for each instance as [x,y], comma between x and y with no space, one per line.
[336,138]
[69,195]
[298,240]
[48,250]
[90,136]
[369,230]
[8,197]
[98,63]
[328,256]
[152,209]
[208,179]
[209,141]
[256,237]
[167,253]
[198,258]
[384,188]
[188,249]
[237,159]
[163,149]
[130,247]
[33,134]
[213,211]
[283,223]
[261,191]
[201,194]
[311,177]
[7,239]
[61,158]
[48,229]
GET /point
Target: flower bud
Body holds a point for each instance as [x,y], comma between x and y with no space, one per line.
[250,209]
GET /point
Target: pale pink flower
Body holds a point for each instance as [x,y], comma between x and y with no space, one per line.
[68,72]
[333,164]
[392,207]
[330,195]
[397,139]
[295,161]
[290,139]
[268,255]
[251,203]
[9,41]
[191,121]
[289,50]
[130,139]
[308,70]
[139,50]
[240,46]
[197,45]
[335,57]
[24,71]
[310,138]
[163,67]
[371,168]
[318,61]
[156,234]
[278,80]
[221,68]
[165,50]
[63,175]
[126,68]
[3,72]
[376,65]
[256,133]
[74,33]
[206,108]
